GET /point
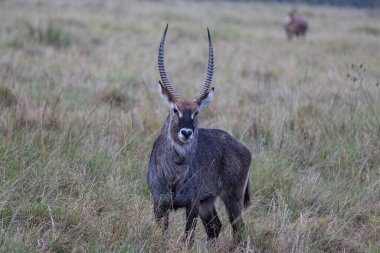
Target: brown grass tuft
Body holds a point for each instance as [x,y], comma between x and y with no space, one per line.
[7,98]
[115,97]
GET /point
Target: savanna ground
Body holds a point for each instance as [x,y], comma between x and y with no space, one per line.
[79,111]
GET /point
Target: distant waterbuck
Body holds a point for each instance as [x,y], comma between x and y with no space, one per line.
[190,167]
[296,25]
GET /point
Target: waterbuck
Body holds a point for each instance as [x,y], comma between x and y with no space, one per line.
[296,25]
[190,167]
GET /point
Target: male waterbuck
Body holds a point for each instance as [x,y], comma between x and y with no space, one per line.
[190,167]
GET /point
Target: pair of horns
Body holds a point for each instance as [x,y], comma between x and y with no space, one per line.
[164,76]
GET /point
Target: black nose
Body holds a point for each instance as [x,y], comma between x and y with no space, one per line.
[186,133]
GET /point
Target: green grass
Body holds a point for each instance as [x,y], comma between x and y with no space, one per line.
[79,111]
[366,29]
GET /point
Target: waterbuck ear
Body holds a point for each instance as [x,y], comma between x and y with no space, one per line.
[204,101]
[166,95]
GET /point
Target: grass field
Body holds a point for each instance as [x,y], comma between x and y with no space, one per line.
[79,111]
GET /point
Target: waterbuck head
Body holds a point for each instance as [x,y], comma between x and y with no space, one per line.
[183,114]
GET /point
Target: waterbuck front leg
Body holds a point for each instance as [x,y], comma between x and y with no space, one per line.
[162,208]
[191,223]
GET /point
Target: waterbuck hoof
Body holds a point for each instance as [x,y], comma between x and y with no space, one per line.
[187,239]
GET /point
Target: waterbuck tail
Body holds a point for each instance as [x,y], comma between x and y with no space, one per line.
[247,199]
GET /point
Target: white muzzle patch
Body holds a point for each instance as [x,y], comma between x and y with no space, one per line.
[185,135]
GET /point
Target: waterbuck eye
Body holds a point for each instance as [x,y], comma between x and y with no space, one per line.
[175,111]
[195,114]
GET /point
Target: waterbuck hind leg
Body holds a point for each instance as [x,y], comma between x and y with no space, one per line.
[234,207]
[210,219]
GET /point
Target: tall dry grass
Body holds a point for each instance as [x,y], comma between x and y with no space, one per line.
[79,112]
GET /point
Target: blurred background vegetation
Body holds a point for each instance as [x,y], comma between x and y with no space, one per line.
[344,3]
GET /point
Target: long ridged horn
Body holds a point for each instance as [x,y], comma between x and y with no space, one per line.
[210,70]
[161,66]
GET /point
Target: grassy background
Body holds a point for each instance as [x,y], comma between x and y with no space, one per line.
[79,111]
